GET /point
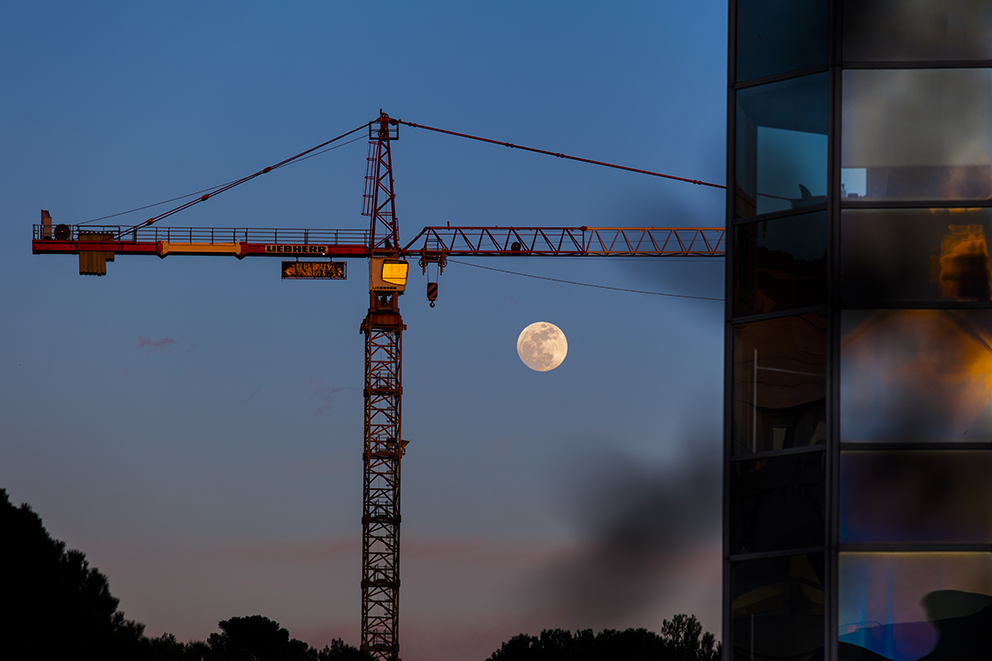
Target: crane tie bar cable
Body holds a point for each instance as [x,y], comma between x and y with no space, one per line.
[238,182]
[301,155]
[208,190]
[560,155]
[577,158]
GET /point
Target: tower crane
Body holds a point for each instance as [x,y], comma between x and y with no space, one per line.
[313,252]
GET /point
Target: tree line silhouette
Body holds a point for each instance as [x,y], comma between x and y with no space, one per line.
[53,605]
[681,639]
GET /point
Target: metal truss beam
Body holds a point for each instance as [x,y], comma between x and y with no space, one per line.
[569,241]
[378,202]
[383,328]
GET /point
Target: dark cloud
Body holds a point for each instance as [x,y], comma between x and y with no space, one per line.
[695,276]
[669,211]
[637,523]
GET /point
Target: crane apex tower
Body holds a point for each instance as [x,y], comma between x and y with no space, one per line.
[858,362]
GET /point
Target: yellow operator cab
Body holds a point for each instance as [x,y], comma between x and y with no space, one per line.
[388,274]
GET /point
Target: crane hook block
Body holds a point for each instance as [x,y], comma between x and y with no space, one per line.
[432,292]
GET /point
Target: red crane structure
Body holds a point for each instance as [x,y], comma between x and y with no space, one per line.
[383,325]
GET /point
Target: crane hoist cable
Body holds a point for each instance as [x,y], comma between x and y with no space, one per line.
[583,284]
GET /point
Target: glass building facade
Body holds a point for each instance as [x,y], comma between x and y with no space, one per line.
[858,420]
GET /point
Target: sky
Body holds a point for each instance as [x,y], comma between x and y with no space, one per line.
[194,424]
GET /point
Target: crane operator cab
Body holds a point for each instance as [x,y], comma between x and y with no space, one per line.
[388,274]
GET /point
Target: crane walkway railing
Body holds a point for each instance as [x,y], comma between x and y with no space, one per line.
[204,235]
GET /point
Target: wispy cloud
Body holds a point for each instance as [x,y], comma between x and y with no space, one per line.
[149,345]
[253,395]
[324,393]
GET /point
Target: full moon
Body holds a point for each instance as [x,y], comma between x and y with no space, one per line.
[542,346]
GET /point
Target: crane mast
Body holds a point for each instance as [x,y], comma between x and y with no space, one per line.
[383,326]
[384,448]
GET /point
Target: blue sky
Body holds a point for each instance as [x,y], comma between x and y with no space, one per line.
[194,425]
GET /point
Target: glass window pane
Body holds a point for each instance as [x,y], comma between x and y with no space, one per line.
[916,496]
[775,36]
[781,146]
[916,375]
[776,608]
[780,264]
[777,503]
[901,30]
[904,606]
[779,387]
[917,134]
[916,255]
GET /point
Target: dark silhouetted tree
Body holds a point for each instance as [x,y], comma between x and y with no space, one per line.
[685,640]
[255,638]
[53,604]
[258,638]
[682,639]
[339,651]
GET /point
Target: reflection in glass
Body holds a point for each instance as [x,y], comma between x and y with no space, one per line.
[781,146]
[901,30]
[776,608]
[775,36]
[779,387]
[916,496]
[780,264]
[916,375]
[904,606]
[916,255]
[777,503]
[917,134]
